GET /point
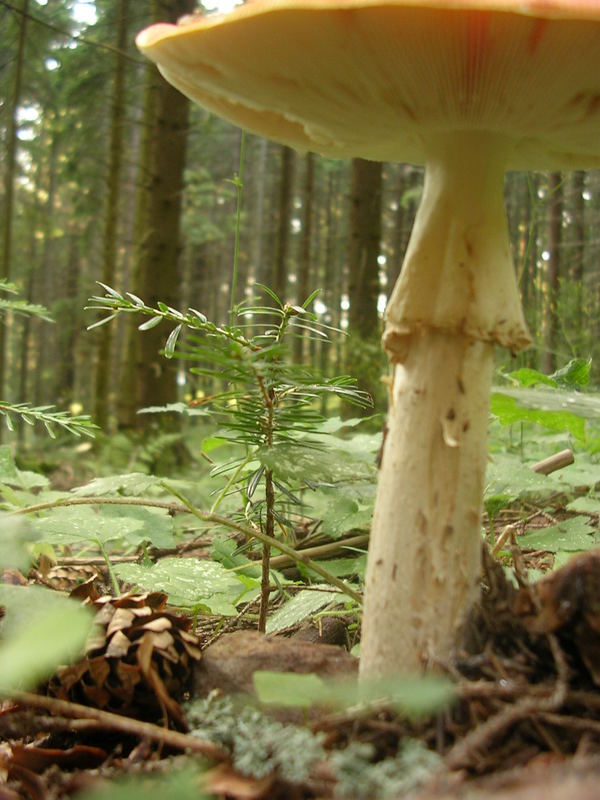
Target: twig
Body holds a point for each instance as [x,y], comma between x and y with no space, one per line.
[554,463]
[321,549]
[127,725]
[250,533]
[102,501]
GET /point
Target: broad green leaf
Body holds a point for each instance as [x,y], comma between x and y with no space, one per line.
[571,535]
[344,514]
[509,479]
[414,696]
[575,373]
[289,689]
[586,505]
[189,582]
[586,405]
[342,567]
[210,443]
[30,480]
[174,783]
[133,483]
[531,377]
[581,474]
[41,630]
[8,469]
[336,424]
[154,525]
[509,410]
[15,532]
[295,464]
[69,525]
[302,606]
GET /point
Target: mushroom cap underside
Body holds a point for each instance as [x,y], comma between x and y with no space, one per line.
[383,80]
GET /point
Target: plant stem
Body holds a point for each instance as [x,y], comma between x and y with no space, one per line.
[109,568]
[101,501]
[265,578]
[297,556]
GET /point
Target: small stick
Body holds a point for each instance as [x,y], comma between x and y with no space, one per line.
[321,549]
[554,463]
[115,722]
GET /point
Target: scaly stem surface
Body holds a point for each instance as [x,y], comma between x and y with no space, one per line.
[456,297]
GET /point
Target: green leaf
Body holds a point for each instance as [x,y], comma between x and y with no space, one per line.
[289,689]
[571,535]
[508,411]
[413,696]
[342,567]
[587,505]
[585,405]
[172,341]
[109,291]
[7,465]
[508,478]
[189,582]
[15,532]
[101,322]
[575,373]
[41,631]
[344,514]
[302,606]
[70,525]
[531,377]
[151,323]
[131,483]
[175,783]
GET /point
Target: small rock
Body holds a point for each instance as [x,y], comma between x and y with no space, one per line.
[230,663]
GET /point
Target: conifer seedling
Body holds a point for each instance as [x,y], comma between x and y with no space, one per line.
[470,88]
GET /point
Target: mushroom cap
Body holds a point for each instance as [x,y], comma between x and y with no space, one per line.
[367,78]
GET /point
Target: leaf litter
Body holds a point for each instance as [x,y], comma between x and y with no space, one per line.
[525,680]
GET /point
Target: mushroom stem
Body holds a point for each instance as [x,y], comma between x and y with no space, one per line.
[456,297]
[425,547]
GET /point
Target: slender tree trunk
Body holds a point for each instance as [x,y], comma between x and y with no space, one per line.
[45,281]
[363,268]
[304,261]
[555,208]
[286,180]
[127,400]
[111,216]
[9,174]
[577,266]
[159,272]
[258,209]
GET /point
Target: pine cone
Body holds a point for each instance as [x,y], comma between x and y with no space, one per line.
[138,661]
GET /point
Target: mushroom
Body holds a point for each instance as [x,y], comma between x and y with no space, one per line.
[469,88]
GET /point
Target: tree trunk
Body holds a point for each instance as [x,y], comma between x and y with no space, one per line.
[555,209]
[303,271]
[127,400]
[286,179]
[159,272]
[9,173]
[111,214]
[363,268]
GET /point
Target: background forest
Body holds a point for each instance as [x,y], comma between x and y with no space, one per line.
[109,174]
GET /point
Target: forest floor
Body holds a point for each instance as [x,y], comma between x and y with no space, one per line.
[524,723]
